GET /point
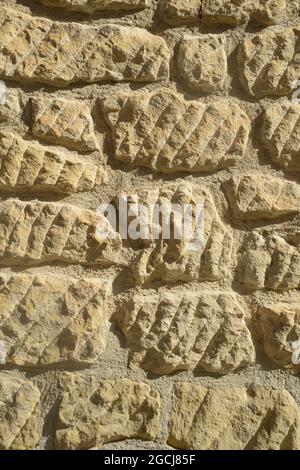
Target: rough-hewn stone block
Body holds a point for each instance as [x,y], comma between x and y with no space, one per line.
[270,262]
[168,332]
[164,132]
[91,6]
[46,320]
[39,50]
[20,424]
[63,122]
[281,134]
[172,260]
[94,412]
[39,232]
[258,196]
[27,165]
[233,419]
[9,105]
[175,12]
[280,323]
[202,62]
[269,62]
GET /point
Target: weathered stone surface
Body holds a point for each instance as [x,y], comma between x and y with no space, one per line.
[258,196]
[280,323]
[27,165]
[266,12]
[39,50]
[39,232]
[281,134]
[45,320]
[269,62]
[90,6]
[270,262]
[202,62]
[9,104]
[233,419]
[64,122]
[164,132]
[181,259]
[20,425]
[176,12]
[168,332]
[94,412]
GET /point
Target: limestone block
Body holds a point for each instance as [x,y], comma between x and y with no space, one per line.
[265,12]
[39,232]
[27,165]
[64,122]
[269,62]
[162,131]
[45,320]
[91,6]
[202,62]
[174,331]
[233,419]
[176,12]
[280,323]
[95,412]
[39,50]
[270,262]
[20,424]
[181,259]
[281,134]
[258,196]
[9,104]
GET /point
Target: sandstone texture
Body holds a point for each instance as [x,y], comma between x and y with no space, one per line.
[149,225]
[171,332]
[233,419]
[49,319]
[95,412]
[257,196]
[164,132]
[20,423]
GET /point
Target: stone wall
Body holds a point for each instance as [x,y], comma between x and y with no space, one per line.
[117,344]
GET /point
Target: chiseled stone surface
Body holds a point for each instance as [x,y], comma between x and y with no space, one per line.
[20,422]
[176,12]
[258,196]
[173,260]
[280,324]
[164,132]
[91,6]
[34,49]
[270,262]
[63,122]
[169,332]
[202,62]
[269,62]
[93,412]
[281,134]
[46,320]
[38,232]
[257,418]
[27,165]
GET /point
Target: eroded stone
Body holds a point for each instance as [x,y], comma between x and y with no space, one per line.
[91,6]
[176,12]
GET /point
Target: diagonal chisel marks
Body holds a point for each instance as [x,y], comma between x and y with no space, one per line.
[175,331]
[281,134]
[38,232]
[233,419]
[37,50]
[20,414]
[49,319]
[175,143]
[172,260]
[269,63]
[93,412]
[29,165]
